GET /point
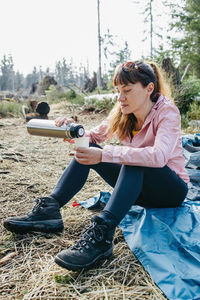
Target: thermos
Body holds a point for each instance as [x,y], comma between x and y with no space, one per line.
[48,128]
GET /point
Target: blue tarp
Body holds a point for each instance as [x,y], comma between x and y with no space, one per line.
[167,240]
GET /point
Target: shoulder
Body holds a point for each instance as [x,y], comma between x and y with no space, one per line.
[167,111]
[166,106]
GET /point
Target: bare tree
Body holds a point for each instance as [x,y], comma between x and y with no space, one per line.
[151,17]
[99,81]
[151,27]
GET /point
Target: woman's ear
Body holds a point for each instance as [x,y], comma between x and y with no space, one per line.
[150,88]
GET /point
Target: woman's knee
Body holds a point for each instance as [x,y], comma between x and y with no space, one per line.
[132,169]
[130,175]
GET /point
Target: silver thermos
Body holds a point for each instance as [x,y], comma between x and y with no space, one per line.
[48,128]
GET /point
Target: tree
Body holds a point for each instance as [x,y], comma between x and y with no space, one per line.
[99,80]
[32,79]
[149,19]
[90,84]
[65,72]
[71,78]
[8,74]
[45,84]
[59,72]
[120,56]
[113,52]
[40,74]
[153,31]
[186,21]
[19,81]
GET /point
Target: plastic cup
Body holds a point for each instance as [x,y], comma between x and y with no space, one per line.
[82,142]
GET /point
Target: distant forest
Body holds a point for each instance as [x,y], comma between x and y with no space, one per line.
[183,51]
[65,74]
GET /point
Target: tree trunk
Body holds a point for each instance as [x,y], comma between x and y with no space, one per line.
[171,71]
[99,83]
[151,30]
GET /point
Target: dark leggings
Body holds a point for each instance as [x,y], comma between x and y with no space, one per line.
[144,186]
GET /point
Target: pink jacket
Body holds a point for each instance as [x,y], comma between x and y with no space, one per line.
[157,144]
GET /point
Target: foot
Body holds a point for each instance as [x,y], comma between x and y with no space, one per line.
[94,244]
[44,217]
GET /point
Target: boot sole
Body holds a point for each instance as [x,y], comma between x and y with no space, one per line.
[74,267]
[50,226]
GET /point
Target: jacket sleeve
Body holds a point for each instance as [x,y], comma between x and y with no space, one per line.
[167,135]
[99,133]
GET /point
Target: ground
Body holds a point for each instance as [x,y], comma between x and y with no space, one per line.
[30,167]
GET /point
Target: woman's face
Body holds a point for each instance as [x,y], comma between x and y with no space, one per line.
[134,98]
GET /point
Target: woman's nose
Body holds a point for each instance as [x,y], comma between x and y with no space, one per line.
[121,97]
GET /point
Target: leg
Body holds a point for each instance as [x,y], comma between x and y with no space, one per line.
[151,187]
[68,184]
[96,241]
[45,216]
[162,188]
[135,185]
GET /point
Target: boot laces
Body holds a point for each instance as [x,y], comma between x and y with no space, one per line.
[92,234]
[40,202]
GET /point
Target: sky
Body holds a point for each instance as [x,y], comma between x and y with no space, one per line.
[41,32]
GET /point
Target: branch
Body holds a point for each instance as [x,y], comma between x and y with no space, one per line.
[185,72]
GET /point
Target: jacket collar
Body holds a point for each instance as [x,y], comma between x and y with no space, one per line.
[160,101]
[156,106]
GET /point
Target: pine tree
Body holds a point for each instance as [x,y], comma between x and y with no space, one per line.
[114,53]
[186,21]
[32,78]
[153,31]
[8,74]
[99,76]
[59,72]
[19,80]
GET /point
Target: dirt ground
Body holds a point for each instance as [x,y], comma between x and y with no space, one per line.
[30,167]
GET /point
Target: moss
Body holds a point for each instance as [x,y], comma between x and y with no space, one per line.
[63,279]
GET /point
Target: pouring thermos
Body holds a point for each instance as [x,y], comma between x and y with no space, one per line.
[48,128]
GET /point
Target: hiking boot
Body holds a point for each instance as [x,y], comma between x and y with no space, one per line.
[94,244]
[44,217]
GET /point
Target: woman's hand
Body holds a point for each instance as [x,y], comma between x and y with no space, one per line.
[88,156]
[63,120]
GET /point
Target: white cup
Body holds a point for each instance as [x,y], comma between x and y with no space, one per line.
[82,142]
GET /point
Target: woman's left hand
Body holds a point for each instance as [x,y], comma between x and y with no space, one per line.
[88,156]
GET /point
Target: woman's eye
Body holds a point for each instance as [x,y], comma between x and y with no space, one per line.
[127,91]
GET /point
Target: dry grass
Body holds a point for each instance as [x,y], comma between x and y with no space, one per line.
[30,167]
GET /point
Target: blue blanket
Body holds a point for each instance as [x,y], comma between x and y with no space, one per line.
[167,240]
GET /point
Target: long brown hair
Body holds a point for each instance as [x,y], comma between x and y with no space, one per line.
[133,72]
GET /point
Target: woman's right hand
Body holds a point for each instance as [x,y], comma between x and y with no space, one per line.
[63,120]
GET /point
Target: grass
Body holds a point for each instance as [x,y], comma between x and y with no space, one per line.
[54,95]
[193,113]
[30,273]
[99,105]
[10,109]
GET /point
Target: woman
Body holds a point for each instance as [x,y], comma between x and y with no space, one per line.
[147,170]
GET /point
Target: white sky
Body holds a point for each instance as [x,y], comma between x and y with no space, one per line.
[41,32]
